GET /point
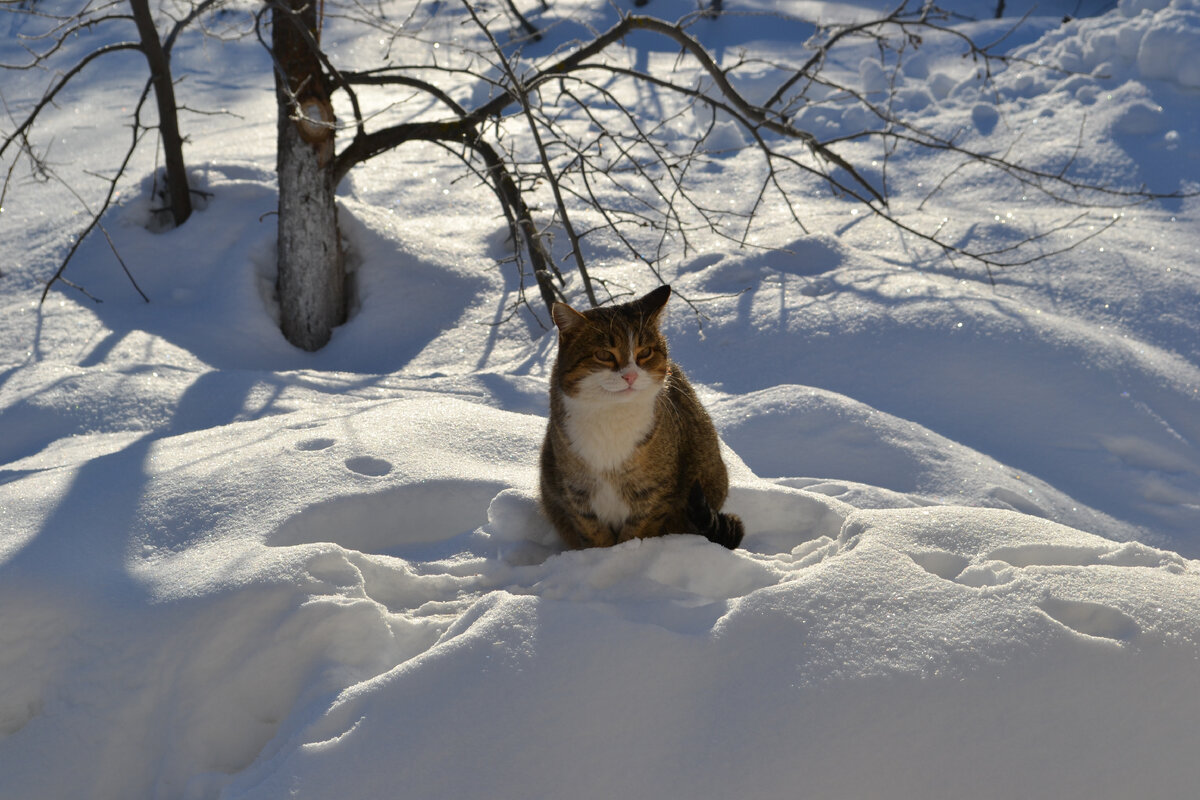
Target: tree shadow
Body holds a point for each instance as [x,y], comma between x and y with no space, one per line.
[210,284]
[94,529]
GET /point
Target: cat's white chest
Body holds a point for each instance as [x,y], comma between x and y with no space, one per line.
[608,505]
[605,435]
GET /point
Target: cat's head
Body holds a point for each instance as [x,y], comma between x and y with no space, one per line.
[614,353]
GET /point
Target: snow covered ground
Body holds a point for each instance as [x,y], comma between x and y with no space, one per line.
[230,569]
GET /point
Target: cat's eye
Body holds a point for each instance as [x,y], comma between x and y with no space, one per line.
[606,356]
[644,353]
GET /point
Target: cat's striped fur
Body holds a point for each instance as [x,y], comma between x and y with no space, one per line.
[629,451]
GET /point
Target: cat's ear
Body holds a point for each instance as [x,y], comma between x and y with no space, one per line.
[566,318]
[653,303]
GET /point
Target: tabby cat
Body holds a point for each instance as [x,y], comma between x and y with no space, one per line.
[629,451]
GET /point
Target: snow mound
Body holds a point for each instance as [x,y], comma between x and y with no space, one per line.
[1152,40]
[892,620]
[293,592]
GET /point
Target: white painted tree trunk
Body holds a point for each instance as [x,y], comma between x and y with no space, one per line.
[312,275]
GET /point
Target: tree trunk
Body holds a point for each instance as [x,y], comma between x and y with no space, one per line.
[312,274]
[168,119]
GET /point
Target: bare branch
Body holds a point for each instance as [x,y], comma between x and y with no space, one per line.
[60,84]
[96,216]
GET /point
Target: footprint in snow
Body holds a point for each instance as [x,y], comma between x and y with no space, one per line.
[1091,619]
[369,465]
[315,444]
[1087,618]
[363,465]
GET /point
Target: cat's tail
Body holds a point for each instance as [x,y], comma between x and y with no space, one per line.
[724,529]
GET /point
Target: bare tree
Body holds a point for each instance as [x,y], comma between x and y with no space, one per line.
[46,45]
[311,279]
[558,132]
[158,60]
[563,142]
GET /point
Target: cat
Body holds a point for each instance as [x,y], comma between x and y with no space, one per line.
[629,451]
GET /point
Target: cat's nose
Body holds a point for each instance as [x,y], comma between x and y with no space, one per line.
[629,377]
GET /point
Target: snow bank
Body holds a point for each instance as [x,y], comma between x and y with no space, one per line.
[884,655]
[338,601]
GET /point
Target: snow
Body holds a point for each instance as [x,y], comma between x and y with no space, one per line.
[231,569]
